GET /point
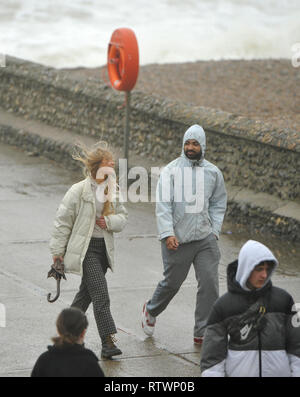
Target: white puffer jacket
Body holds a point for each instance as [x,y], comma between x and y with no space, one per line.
[74,225]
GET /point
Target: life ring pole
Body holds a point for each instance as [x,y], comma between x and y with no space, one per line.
[123,69]
[127,125]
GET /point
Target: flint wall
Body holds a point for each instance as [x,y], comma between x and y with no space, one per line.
[250,153]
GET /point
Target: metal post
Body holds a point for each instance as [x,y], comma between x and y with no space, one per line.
[126,136]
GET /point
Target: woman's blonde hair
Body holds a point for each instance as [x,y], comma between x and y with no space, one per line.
[92,158]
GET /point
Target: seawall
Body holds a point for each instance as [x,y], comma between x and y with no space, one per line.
[253,156]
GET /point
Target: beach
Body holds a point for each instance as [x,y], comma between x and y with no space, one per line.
[260,89]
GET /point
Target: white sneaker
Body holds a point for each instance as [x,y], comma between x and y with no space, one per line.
[148,322]
[198,340]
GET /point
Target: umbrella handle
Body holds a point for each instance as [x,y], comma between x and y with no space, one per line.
[57,292]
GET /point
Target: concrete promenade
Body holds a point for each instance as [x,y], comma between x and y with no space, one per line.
[31,190]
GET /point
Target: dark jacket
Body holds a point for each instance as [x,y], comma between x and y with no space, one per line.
[250,333]
[67,361]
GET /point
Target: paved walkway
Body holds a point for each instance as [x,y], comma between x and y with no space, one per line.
[31,189]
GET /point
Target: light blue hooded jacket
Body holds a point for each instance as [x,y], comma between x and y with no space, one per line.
[176,212]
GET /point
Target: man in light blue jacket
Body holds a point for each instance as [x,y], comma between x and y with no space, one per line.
[190,208]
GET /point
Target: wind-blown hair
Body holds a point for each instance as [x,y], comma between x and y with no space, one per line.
[91,158]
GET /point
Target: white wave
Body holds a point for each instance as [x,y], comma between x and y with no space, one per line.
[76,32]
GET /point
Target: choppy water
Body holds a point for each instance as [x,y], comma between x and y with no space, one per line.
[74,33]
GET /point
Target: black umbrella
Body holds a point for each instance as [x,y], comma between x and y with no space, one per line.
[57,271]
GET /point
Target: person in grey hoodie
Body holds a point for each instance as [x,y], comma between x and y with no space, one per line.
[190,207]
[253,329]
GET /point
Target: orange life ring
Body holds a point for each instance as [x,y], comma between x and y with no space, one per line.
[123,59]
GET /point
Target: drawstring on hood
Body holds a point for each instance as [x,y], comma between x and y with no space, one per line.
[251,254]
[195,132]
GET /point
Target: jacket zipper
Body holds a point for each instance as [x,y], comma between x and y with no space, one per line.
[259,355]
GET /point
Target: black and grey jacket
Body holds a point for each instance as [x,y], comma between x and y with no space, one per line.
[251,333]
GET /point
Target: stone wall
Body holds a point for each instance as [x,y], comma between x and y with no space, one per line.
[255,217]
[250,153]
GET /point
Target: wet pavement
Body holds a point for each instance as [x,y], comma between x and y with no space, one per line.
[31,188]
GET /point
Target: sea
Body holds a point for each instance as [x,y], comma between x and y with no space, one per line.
[76,33]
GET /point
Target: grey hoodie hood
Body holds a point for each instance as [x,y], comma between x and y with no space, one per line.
[251,254]
[195,132]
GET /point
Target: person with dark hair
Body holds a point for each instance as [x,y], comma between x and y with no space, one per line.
[251,329]
[68,357]
[190,207]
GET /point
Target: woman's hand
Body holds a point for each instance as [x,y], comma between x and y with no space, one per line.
[58,257]
[101,222]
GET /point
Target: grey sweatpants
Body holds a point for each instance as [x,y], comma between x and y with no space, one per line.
[205,256]
[93,287]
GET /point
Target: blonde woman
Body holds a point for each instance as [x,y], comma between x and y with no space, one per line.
[83,237]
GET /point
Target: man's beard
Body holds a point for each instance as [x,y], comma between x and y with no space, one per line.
[190,154]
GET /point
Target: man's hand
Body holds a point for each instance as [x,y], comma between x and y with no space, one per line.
[172,243]
[101,222]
